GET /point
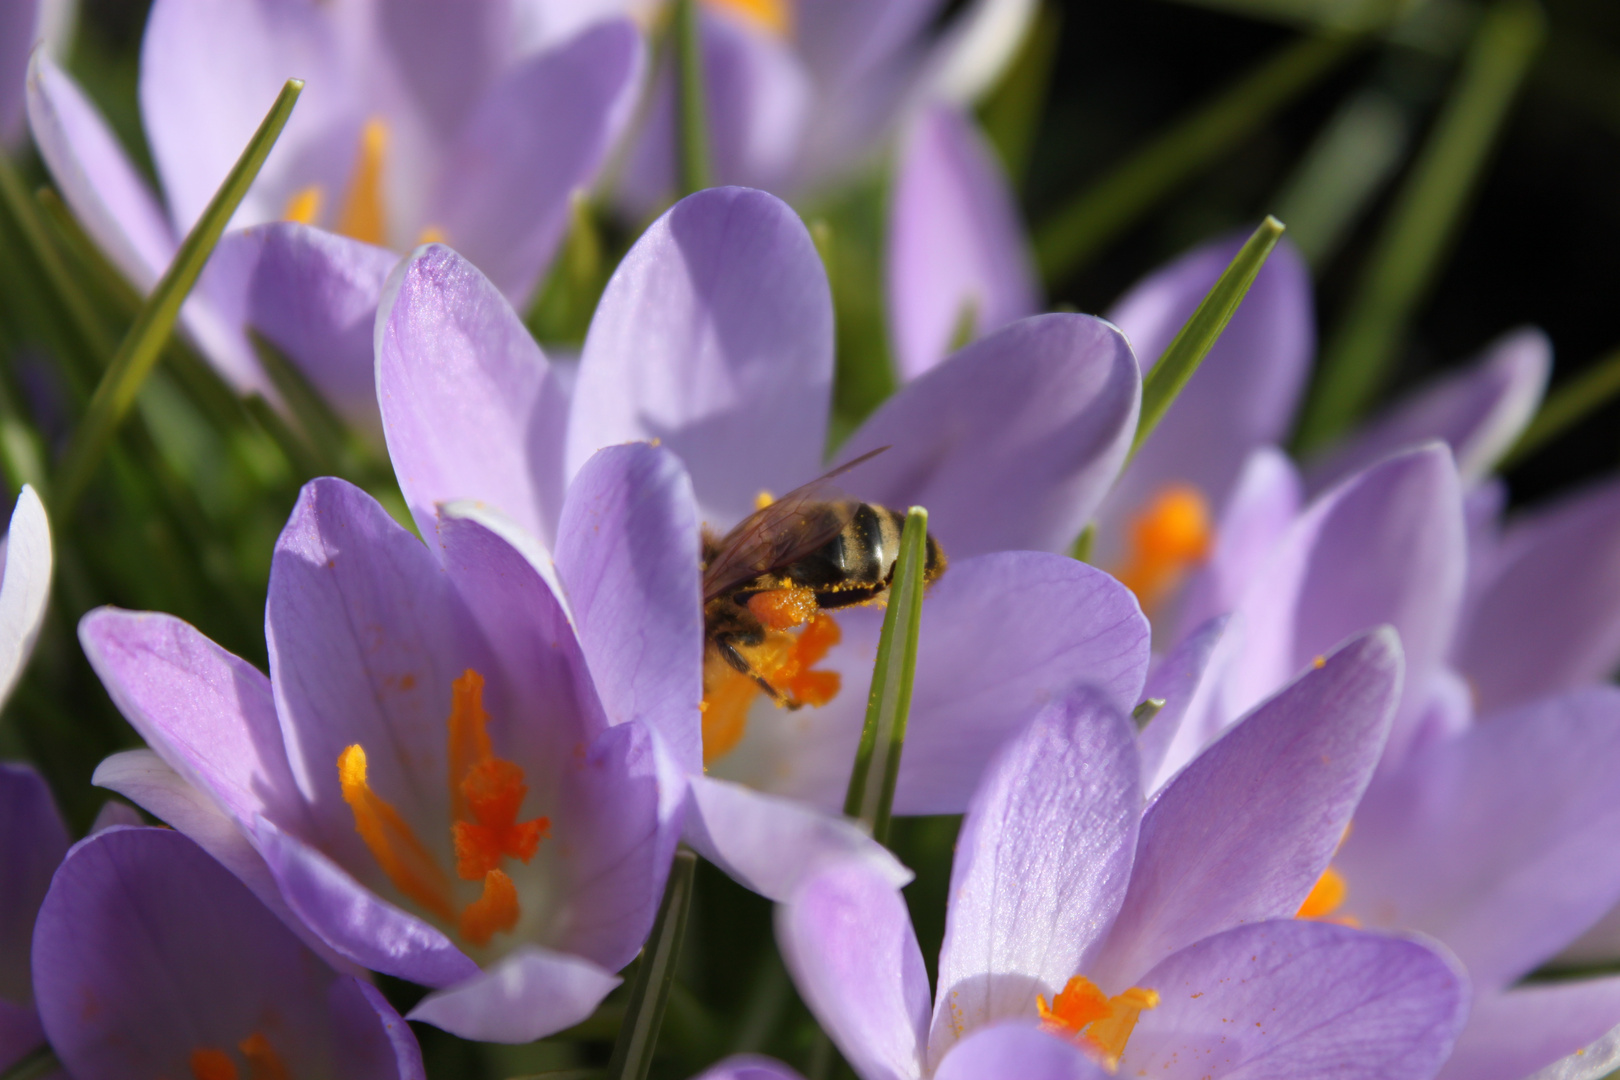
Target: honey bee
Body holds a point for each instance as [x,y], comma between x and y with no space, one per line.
[815,549]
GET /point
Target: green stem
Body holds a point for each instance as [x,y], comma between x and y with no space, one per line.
[692,127]
[649,993]
[40,1063]
[1567,406]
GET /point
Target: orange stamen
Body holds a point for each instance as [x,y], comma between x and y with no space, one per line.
[784,660]
[486,791]
[263,1061]
[469,735]
[432,235]
[362,216]
[495,911]
[210,1064]
[1100,1024]
[396,847]
[304,206]
[1326,897]
[1167,537]
[773,15]
[783,609]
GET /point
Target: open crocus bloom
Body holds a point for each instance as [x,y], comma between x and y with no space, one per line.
[150,960]
[453,773]
[714,338]
[1086,935]
[417,122]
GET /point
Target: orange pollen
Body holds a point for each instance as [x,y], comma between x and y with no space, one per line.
[783,609]
[1097,1023]
[210,1064]
[263,1061]
[396,847]
[775,16]
[432,235]
[784,660]
[496,910]
[362,216]
[1172,533]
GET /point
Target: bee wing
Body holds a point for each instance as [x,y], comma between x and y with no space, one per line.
[786,530]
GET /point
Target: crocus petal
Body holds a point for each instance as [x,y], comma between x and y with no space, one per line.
[771,844]
[529,994]
[18,25]
[312,294]
[715,337]
[1478,413]
[114,813]
[847,939]
[1012,442]
[843,40]
[503,198]
[1241,397]
[1510,1035]
[973,52]
[1469,842]
[957,255]
[1244,831]
[1041,865]
[147,927]
[1299,998]
[1594,1061]
[470,407]
[1021,1050]
[1547,617]
[445,55]
[25,586]
[1386,546]
[33,840]
[20,1030]
[627,554]
[749,1067]
[95,176]
[1184,681]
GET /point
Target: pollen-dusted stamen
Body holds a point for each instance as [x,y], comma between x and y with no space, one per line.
[495,911]
[783,609]
[304,206]
[208,1063]
[263,1061]
[1171,533]
[784,660]
[396,847]
[773,15]
[486,791]
[362,216]
[1096,1022]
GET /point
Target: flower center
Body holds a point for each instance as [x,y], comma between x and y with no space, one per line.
[784,659]
[486,794]
[1099,1024]
[363,215]
[1170,534]
[774,16]
[210,1063]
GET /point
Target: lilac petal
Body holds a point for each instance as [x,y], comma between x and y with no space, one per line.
[19,25]
[445,54]
[749,1067]
[1478,413]
[1183,681]
[770,844]
[1386,546]
[1547,616]
[1470,843]
[312,294]
[714,336]
[114,814]
[1594,1061]
[141,923]
[1013,441]
[1021,1050]
[972,53]
[503,199]
[208,714]
[470,407]
[1298,998]
[358,1004]
[1041,866]
[365,637]
[25,586]
[1245,831]
[95,176]
[1512,1034]
[956,247]
[20,1030]
[33,840]
[353,919]
[847,939]
[529,994]
[1241,397]
[843,40]
[627,554]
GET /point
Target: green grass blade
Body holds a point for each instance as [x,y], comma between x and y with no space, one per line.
[649,993]
[1119,200]
[1567,406]
[144,342]
[40,1063]
[1422,222]
[1193,342]
[691,106]
[1011,114]
[877,761]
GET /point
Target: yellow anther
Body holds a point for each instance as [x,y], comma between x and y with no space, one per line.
[304,206]
[396,847]
[1319,663]
[763,499]
[1099,1024]
[432,235]
[1326,896]
[363,217]
[775,16]
[1173,532]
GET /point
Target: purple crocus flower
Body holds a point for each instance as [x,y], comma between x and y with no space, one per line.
[151,960]
[33,840]
[714,338]
[454,772]
[419,121]
[1085,933]
[748,1067]
[24,24]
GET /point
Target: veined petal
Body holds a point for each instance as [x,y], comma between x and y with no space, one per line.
[529,994]
[1021,1050]
[25,586]
[1185,680]
[445,56]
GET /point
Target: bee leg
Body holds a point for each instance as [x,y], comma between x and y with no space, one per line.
[736,660]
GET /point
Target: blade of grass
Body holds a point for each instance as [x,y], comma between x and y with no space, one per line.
[649,993]
[1194,340]
[1011,114]
[1065,241]
[143,344]
[877,760]
[691,107]
[40,1063]
[1567,406]
[1427,211]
